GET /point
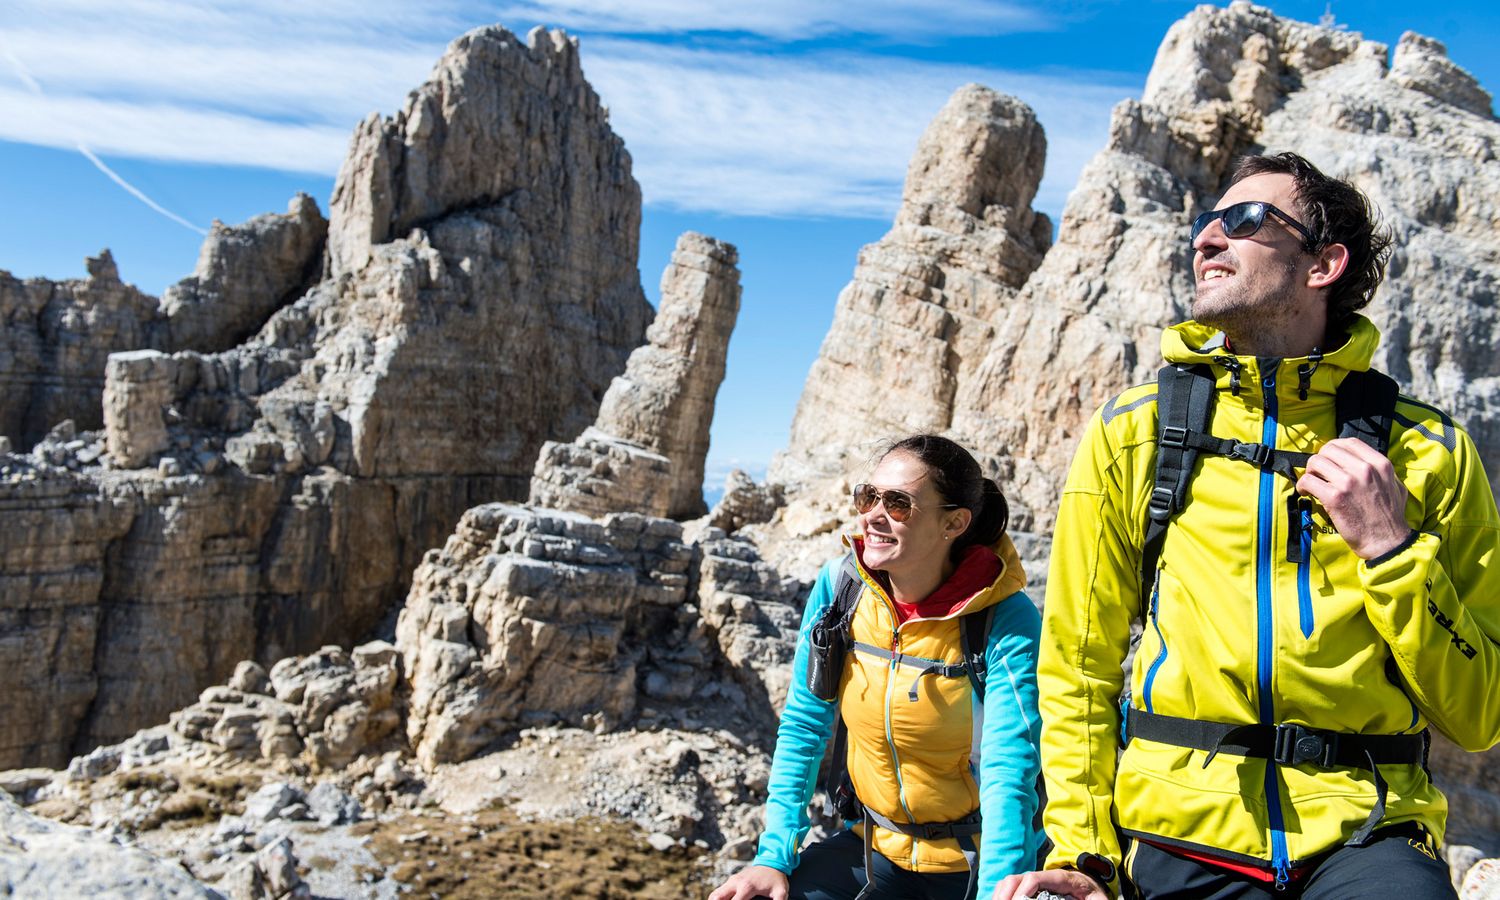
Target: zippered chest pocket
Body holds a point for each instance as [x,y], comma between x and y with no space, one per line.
[1302,527]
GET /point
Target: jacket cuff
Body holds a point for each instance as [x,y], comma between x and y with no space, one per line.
[1411,538]
[772,861]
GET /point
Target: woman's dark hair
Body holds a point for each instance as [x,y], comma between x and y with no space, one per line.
[1335,212]
[960,481]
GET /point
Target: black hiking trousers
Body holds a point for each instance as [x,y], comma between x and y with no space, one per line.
[1400,862]
[835,870]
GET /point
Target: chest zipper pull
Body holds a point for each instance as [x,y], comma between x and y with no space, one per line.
[1299,528]
[1233,366]
[1305,372]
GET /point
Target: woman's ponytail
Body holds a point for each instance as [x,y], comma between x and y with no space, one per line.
[988,523]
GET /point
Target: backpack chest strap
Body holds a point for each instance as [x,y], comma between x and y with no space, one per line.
[1261,456]
[923,665]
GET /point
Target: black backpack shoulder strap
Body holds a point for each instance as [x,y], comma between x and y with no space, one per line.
[974,637]
[1184,405]
[846,588]
[1364,405]
[838,790]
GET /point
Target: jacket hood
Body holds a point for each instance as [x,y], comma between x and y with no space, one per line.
[1192,342]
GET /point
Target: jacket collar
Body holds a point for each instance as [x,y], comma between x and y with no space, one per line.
[1011,578]
[1192,343]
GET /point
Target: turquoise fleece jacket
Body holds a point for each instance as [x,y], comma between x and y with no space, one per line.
[1009,758]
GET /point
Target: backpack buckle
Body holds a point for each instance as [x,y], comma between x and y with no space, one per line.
[1296,746]
[1256,455]
[1173,436]
[936,831]
[1159,507]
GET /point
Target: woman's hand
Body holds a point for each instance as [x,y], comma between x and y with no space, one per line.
[1064,882]
[751,882]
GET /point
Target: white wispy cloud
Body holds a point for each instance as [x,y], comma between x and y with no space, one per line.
[168,131]
[829,133]
[712,126]
[786,19]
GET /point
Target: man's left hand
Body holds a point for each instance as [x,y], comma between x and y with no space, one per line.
[1362,494]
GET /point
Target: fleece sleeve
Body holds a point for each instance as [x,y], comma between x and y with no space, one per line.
[1009,757]
[1436,602]
[1092,597]
[801,740]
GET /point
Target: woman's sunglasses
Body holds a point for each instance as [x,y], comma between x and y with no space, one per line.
[899,505]
[1244,219]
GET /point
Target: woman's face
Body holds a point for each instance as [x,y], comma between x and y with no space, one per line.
[911,546]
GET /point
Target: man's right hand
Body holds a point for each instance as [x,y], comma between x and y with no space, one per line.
[751,882]
[1063,882]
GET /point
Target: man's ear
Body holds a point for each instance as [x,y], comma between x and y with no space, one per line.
[1328,264]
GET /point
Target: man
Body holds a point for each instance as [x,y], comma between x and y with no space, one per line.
[1306,618]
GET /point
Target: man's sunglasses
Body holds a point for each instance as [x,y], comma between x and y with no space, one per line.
[899,505]
[1244,219]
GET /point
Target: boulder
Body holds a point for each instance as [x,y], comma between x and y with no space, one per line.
[532,615]
[44,859]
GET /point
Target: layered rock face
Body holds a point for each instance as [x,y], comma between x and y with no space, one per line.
[522,264]
[526,612]
[646,451]
[244,274]
[56,338]
[275,496]
[530,617]
[911,328]
[58,335]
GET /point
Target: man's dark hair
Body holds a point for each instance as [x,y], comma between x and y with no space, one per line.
[1334,212]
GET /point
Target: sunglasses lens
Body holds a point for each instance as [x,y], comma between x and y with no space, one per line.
[1239,221]
[1201,223]
[1244,219]
[897,504]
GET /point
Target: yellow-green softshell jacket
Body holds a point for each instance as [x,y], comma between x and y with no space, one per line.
[1235,633]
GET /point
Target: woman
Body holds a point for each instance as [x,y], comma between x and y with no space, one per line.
[922,750]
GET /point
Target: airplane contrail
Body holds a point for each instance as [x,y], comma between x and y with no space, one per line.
[36,88]
[136,192]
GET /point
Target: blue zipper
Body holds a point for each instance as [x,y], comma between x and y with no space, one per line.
[1161,655]
[1304,573]
[1265,631]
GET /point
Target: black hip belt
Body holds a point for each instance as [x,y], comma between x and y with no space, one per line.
[1287,745]
[931,831]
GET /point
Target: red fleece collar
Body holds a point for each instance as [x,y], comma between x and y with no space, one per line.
[976,571]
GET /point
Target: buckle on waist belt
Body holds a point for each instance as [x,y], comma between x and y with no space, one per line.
[1286,745]
[936,831]
[1296,745]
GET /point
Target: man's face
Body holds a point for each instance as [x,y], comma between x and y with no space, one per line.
[1255,282]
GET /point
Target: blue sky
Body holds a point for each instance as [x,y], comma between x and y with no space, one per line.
[783,126]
